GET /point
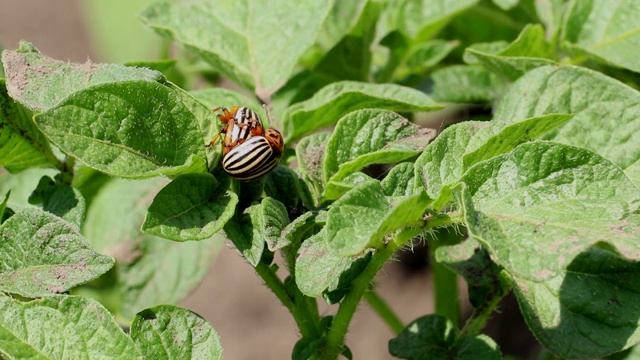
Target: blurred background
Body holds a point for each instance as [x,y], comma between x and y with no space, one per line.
[249,319]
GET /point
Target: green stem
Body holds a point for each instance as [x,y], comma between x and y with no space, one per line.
[384,311]
[481,314]
[275,284]
[445,281]
[348,305]
[303,311]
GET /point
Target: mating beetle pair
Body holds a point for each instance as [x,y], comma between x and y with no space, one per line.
[249,151]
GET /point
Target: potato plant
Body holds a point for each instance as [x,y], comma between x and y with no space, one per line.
[113,207]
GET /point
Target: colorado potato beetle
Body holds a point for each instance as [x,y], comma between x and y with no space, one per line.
[241,124]
[255,157]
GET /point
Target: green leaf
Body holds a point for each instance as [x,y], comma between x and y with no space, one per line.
[608,32]
[484,146]
[428,337]
[247,234]
[335,189]
[465,84]
[462,145]
[149,270]
[61,200]
[189,208]
[318,270]
[399,181]
[421,19]
[479,346]
[130,129]
[283,184]
[605,110]
[276,219]
[340,98]
[22,184]
[256,44]
[547,199]
[22,146]
[39,82]
[61,327]
[362,217]
[587,312]
[350,58]
[550,12]
[372,136]
[43,254]
[529,51]
[171,332]
[419,58]
[310,154]
[301,228]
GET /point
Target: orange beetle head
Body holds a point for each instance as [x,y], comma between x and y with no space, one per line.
[275,139]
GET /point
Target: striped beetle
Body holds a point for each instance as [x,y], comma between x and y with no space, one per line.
[241,124]
[255,157]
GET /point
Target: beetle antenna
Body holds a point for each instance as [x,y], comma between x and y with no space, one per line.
[266,109]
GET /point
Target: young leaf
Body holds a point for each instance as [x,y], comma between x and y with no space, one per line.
[399,181]
[529,51]
[335,189]
[606,111]
[61,327]
[283,184]
[465,84]
[42,254]
[61,200]
[138,129]
[310,154]
[545,199]
[256,44]
[21,145]
[22,184]
[421,57]
[463,145]
[39,82]
[362,217]
[372,136]
[550,13]
[149,270]
[340,98]
[171,332]
[589,311]
[435,337]
[428,337]
[246,231]
[299,229]
[607,31]
[189,208]
[318,270]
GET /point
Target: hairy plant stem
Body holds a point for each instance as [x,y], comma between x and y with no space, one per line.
[303,308]
[348,306]
[384,311]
